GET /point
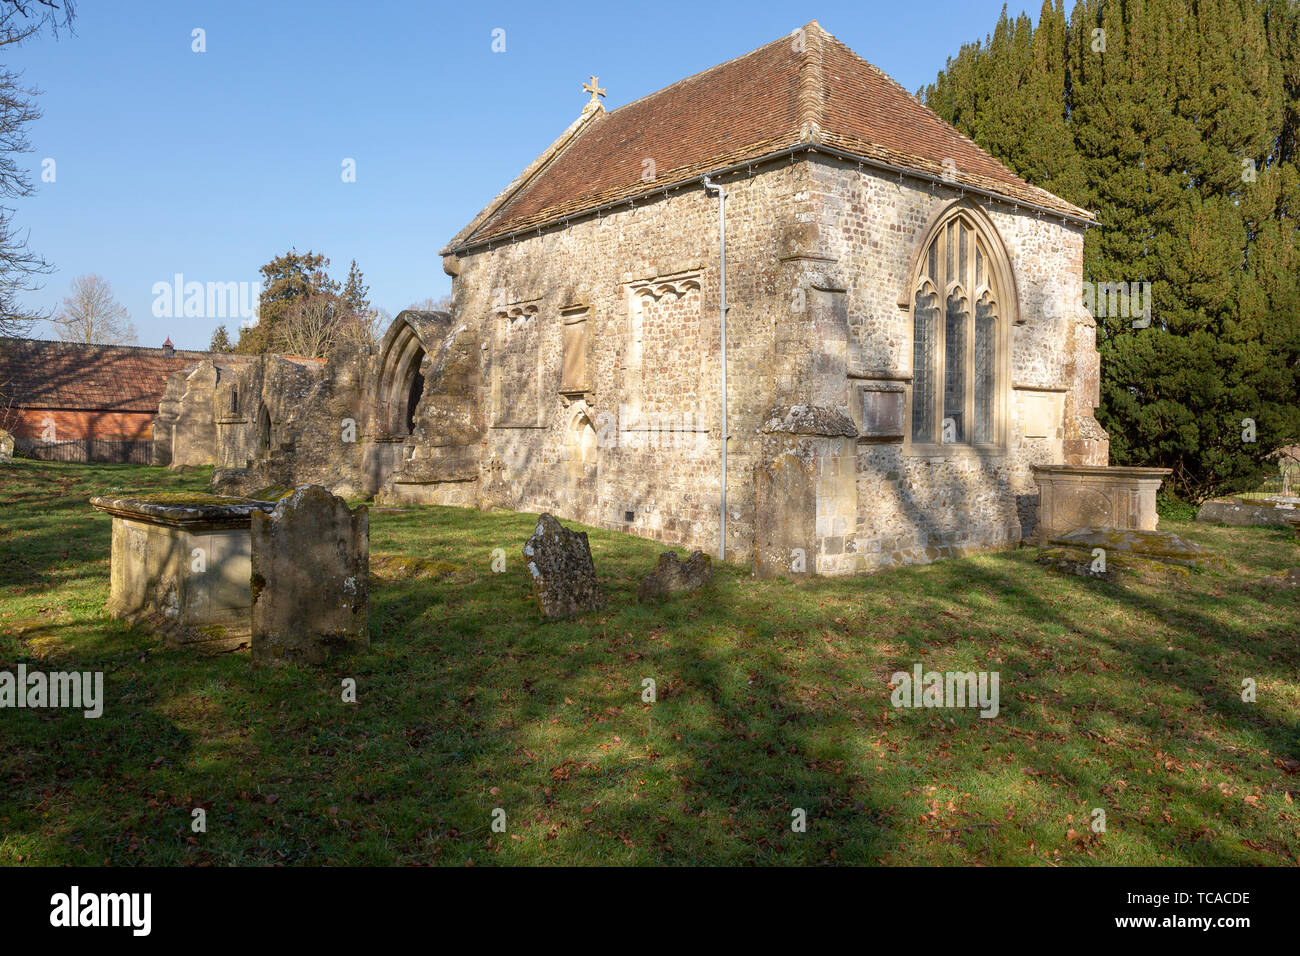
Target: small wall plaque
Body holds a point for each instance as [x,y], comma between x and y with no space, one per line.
[882,407]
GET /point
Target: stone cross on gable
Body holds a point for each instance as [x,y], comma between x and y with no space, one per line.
[594,89]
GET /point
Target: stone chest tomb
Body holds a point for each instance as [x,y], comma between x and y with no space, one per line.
[289,577]
[182,561]
[1072,497]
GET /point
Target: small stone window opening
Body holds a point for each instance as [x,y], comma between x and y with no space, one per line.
[263,431]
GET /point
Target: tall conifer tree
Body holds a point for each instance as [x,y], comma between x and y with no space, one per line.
[1176,121]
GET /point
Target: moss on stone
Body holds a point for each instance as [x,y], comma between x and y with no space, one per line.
[271,493]
[402,567]
[1133,545]
[192,499]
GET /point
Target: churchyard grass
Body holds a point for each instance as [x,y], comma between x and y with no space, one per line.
[771,697]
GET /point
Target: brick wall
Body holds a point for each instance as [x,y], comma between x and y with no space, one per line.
[70,424]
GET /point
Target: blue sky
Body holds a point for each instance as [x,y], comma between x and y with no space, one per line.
[208,164]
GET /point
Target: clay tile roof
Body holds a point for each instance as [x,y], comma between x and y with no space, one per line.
[786,94]
[69,375]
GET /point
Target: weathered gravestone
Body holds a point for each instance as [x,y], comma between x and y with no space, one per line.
[564,576]
[310,578]
[674,576]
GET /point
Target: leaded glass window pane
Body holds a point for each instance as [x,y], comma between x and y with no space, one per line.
[954,364]
[955,343]
[985,352]
[925,329]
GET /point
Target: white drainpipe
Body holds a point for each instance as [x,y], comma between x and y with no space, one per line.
[710,186]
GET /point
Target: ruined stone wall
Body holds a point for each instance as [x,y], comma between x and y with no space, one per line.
[308,406]
[319,416]
[186,428]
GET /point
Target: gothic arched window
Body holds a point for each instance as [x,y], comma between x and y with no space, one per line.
[959,329]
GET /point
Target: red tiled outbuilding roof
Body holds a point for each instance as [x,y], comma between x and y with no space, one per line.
[805,89]
[69,375]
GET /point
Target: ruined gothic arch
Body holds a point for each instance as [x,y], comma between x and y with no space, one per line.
[399,384]
[962,303]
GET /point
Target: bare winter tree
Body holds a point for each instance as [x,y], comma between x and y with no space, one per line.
[430,304]
[22,19]
[309,326]
[10,413]
[321,324]
[362,329]
[19,267]
[90,314]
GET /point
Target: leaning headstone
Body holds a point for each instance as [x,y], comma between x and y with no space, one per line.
[674,576]
[311,578]
[6,446]
[564,576]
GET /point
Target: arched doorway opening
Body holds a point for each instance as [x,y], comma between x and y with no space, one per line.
[395,393]
[414,391]
[400,383]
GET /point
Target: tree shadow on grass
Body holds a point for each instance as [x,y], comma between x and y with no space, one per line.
[770,698]
[1144,652]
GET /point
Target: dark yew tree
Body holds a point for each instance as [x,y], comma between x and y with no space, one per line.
[1176,122]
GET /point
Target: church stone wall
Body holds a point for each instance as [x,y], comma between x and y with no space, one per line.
[819,253]
[637,448]
[577,373]
[913,509]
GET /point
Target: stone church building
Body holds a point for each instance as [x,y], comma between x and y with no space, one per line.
[904,335]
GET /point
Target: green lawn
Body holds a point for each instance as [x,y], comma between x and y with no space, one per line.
[771,697]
